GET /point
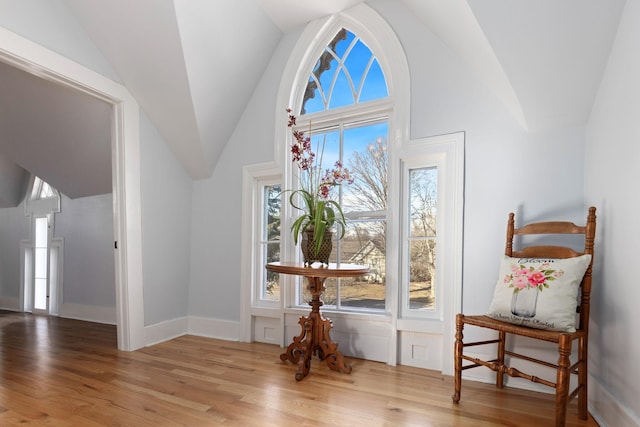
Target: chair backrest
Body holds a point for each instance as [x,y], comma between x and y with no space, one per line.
[536,250]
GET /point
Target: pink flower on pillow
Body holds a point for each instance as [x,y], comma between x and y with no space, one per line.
[536,278]
[531,275]
[520,281]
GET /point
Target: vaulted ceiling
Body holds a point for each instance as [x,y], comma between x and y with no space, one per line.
[193,65]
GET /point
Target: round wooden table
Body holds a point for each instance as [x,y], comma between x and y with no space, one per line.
[314,337]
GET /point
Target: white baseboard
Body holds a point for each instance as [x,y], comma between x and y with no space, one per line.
[214,328]
[89,313]
[165,331]
[607,410]
[11,304]
[201,326]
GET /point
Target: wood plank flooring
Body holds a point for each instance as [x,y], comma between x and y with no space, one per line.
[62,372]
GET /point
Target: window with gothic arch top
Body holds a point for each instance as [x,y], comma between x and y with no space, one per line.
[348,78]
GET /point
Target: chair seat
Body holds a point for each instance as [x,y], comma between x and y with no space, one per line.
[498,325]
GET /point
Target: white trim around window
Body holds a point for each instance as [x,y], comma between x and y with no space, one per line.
[433,329]
[253,179]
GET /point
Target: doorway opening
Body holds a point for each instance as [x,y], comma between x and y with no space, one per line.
[42,254]
[37,60]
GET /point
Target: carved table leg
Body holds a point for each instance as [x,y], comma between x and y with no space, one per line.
[300,345]
[314,337]
[327,349]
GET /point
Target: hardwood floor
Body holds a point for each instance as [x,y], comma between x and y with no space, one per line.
[61,372]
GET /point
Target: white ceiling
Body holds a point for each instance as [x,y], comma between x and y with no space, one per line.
[193,65]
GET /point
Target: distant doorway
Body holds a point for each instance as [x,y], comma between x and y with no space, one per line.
[40,254]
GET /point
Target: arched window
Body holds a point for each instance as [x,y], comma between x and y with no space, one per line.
[347,78]
[347,81]
[346,73]
[42,190]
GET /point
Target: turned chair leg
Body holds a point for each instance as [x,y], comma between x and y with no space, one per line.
[457,376]
[582,378]
[502,336]
[562,383]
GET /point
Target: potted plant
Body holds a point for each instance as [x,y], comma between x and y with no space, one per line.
[319,211]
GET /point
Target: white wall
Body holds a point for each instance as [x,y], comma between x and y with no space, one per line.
[14,227]
[612,155]
[86,225]
[166,227]
[216,219]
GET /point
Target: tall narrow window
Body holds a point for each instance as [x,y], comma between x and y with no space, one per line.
[421,242]
[261,290]
[348,76]
[270,241]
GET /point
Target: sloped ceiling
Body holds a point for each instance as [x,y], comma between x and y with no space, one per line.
[57,133]
[193,65]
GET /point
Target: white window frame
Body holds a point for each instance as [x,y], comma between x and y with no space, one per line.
[34,226]
[260,272]
[381,39]
[254,178]
[447,153]
[341,119]
[420,161]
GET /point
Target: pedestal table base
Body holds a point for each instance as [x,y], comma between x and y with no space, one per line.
[314,338]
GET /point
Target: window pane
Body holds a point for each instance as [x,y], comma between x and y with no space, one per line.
[341,42]
[375,85]
[422,274]
[273,201]
[271,283]
[358,292]
[270,244]
[364,243]
[346,73]
[423,186]
[41,232]
[342,93]
[357,61]
[46,192]
[40,295]
[326,145]
[365,148]
[41,262]
[313,98]
[423,201]
[37,186]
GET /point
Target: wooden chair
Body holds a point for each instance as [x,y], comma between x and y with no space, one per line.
[563,340]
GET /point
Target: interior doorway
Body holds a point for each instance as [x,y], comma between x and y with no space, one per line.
[46,64]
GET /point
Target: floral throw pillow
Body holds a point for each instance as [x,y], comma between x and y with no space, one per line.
[539,293]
